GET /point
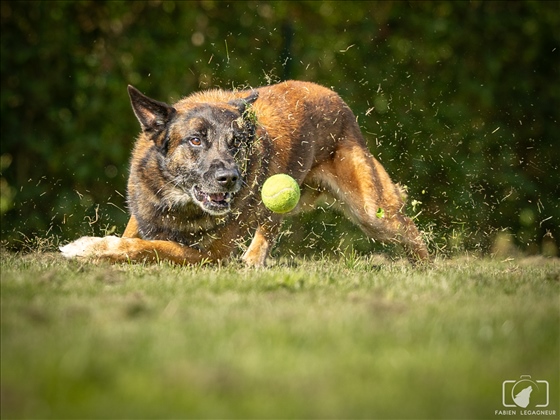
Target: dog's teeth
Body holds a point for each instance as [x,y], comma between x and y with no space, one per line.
[227,198]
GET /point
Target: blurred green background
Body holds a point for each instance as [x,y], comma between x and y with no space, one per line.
[459,101]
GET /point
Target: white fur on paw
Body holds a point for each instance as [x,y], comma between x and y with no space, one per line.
[87,246]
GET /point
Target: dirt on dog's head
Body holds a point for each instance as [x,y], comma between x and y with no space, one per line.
[201,147]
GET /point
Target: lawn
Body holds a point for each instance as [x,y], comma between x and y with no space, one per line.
[355,337]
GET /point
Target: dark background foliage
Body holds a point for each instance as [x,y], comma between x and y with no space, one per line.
[459,100]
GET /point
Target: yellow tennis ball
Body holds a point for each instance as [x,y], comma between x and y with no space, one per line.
[280,193]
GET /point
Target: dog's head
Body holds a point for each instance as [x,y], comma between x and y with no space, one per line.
[200,147]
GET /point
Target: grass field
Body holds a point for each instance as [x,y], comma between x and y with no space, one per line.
[351,338]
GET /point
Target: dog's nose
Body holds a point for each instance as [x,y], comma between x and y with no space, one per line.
[227,178]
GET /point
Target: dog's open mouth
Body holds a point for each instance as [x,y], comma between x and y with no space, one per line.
[213,203]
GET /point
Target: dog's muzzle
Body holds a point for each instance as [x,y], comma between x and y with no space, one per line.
[217,200]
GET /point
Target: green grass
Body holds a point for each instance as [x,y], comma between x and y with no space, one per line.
[354,338]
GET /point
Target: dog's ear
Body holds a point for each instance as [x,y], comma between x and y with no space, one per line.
[152,115]
[242,103]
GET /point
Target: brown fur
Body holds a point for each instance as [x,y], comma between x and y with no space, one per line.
[298,128]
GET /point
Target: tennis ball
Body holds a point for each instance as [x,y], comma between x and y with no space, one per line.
[280,193]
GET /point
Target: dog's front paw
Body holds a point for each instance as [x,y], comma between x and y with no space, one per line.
[88,246]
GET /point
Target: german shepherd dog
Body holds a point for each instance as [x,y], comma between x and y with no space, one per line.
[198,166]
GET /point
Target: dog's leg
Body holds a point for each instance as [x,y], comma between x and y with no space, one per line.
[116,249]
[262,242]
[370,198]
[255,255]
[131,230]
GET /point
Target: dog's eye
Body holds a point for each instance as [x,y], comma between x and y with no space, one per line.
[195,141]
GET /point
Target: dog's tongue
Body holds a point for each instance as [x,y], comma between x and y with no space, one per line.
[217,197]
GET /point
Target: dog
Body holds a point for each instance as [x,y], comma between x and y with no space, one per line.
[198,166]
